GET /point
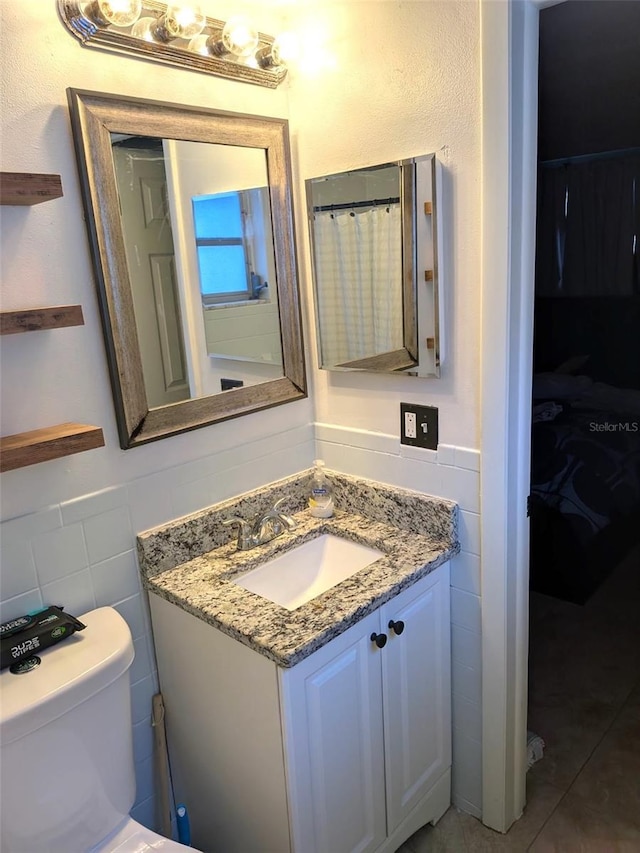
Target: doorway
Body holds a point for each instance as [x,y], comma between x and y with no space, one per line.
[509,164]
[584,635]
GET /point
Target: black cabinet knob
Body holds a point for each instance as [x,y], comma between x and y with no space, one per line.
[397,627]
[379,639]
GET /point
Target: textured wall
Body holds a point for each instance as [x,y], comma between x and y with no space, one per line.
[400,79]
[57,376]
[381,81]
[397,79]
[71,534]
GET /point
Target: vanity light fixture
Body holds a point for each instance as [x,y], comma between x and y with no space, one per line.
[179,33]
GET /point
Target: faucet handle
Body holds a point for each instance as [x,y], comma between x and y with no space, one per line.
[235,520]
[287,520]
[244,531]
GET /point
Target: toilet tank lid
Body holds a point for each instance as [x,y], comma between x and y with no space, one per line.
[71,672]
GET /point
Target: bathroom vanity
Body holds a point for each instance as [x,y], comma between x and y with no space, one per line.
[324,728]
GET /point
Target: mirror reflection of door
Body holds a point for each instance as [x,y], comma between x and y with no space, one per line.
[225,261]
[199,244]
[142,187]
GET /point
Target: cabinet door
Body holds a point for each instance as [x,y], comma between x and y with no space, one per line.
[332,720]
[417,692]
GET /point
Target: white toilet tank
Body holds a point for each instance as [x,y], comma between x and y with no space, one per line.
[66,758]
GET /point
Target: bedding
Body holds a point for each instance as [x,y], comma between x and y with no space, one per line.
[585,484]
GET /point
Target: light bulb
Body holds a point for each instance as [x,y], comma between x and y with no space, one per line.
[199,44]
[286,48]
[184,20]
[144,29]
[120,13]
[239,36]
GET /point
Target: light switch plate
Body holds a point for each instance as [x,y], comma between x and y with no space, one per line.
[426,425]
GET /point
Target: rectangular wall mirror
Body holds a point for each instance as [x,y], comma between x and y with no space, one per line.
[375,266]
[191,228]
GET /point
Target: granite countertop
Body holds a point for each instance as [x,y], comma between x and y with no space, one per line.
[203,585]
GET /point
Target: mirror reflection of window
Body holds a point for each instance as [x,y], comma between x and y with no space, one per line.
[222,247]
[231,246]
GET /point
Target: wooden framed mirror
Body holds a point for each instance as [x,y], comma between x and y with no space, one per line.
[163,185]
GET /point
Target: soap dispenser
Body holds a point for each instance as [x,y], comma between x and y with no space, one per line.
[320,496]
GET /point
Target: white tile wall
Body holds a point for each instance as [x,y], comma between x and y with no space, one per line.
[452,472]
[465,609]
[141,695]
[467,773]
[115,578]
[465,647]
[142,742]
[81,554]
[17,554]
[93,506]
[466,718]
[145,812]
[74,593]
[465,572]
[108,534]
[466,458]
[19,604]
[446,454]
[231,472]
[27,526]
[149,502]
[470,531]
[59,553]
[466,682]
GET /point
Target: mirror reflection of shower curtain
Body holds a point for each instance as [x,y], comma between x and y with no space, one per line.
[358,256]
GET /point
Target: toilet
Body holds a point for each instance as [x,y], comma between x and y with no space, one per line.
[66,756]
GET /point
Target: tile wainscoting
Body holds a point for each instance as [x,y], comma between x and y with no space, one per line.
[450,472]
[81,553]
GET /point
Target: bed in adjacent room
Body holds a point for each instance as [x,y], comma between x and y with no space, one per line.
[585,483]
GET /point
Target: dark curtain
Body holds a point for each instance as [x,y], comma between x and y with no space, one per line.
[588,228]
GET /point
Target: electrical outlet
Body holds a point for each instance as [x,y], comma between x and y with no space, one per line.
[228,384]
[410,425]
[419,426]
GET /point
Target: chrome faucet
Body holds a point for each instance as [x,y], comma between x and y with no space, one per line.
[261,528]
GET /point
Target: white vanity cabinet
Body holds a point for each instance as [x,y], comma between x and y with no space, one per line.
[367,728]
[347,751]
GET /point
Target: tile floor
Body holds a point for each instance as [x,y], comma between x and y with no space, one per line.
[584,700]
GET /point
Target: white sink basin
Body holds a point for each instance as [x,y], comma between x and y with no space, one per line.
[301,574]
